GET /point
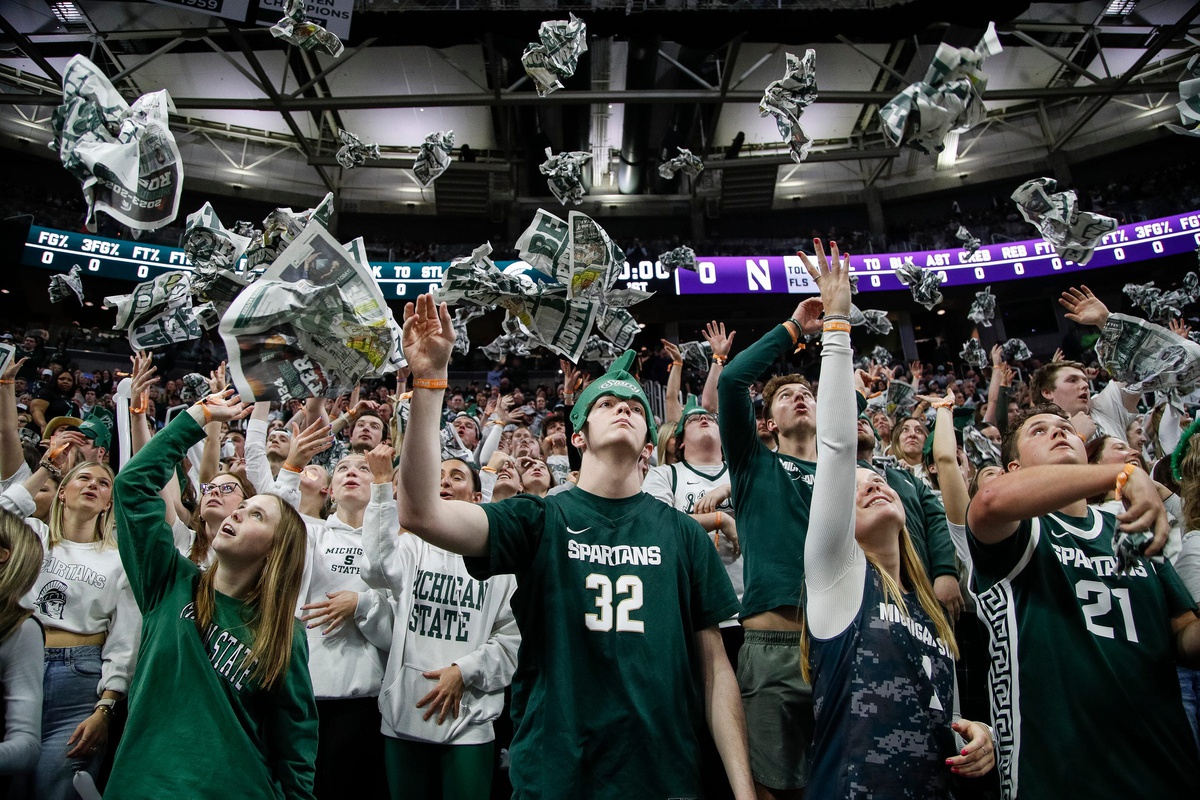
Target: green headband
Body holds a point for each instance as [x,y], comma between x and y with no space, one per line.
[691,409]
[619,383]
[1181,448]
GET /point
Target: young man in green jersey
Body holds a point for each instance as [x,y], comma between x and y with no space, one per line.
[1085,700]
[618,598]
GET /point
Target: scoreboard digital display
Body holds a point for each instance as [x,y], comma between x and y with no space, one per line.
[125,259]
[1032,258]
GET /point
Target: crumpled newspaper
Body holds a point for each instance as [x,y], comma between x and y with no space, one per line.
[1016,351]
[682,257]
[983,308]
[974,354]
[875,320]
[563,288]
[295,28]
[453,447]
[208,244]
[518,344]
[564,175]
[124,155]
[696,355]
[159,312]
[314,325]
[853,284]
[1130,549]
[1189,101]
[970,243]
[950,98]
[601,351]
[787,98]
[881,355]
[923,283]
[1162,306]
[901,395]
[690,164]
[554,58]
[280,228]
[434,157]
[981,451]
[1147,357]
[65,284]
[354,152]
[194,388]
[463,315]
[1074,234]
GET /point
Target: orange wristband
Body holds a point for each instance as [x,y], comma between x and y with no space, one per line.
[794,331]
[291,468]
[430,383]
[207,414]
[676,363]
[7,383]
[1123,478]
[836,325]
[718,359]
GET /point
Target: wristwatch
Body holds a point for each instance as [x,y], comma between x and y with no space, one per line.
[107,704]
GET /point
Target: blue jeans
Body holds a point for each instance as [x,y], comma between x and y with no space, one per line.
[69,693]
[1189,685]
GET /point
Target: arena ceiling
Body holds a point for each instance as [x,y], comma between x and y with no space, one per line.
[256,116]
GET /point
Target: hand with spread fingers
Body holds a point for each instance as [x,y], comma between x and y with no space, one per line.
[832,275]
[714,334]
[1084,307]
[444,698]
[428,338]
[314,439]
[331,612]
[223,406]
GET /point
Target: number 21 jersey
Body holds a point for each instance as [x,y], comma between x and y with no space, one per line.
[607,696]
[1085,699]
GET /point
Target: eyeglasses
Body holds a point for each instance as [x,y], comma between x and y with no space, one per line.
[222,488]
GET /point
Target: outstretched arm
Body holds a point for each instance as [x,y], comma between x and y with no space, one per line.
[453,525]
[11,454]
[674,406]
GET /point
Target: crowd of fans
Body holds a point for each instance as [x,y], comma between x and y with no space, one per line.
[326,581]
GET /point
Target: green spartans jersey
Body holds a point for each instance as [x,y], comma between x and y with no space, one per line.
[1085,699]
[606,699]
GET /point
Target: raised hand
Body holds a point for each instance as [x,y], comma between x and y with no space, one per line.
[307,443]
[918,372]
[428,337]
[832,276]
[141,379]
[1084,307]
[224,406]
[714,334]
[1059,355]
[997,355]
[380,461]
[1177,326]
[10,374]
[216,380]
[1006,375]
[672,350]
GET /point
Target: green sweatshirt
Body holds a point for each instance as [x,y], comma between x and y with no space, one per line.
[199,726]
[771,492]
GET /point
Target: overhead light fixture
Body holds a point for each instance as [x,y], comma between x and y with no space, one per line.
[67,12]
[941,312]
[1120,8]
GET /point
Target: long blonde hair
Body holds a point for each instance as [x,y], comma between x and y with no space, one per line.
[105,523]
[1189,483]
[19,572]
[666,444]
[912,572]
[272,600]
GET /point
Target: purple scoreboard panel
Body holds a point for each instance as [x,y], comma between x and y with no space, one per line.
[1032,258]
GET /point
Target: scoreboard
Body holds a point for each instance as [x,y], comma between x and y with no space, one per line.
[125,259]
[1032,258]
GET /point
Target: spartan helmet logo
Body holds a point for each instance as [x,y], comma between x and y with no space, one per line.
[51,599]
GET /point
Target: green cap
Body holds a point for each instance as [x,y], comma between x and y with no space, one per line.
[98,427]
[617,382]
[691,408]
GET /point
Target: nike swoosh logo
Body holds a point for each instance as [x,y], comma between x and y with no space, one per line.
[692,483]
[574,532]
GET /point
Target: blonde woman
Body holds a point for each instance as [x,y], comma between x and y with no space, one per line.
[83,600]
[21,656]
[222,703]
[880,649]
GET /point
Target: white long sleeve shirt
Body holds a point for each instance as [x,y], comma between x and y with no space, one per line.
[444,616]
[21,670]
[349,661]
[83,589]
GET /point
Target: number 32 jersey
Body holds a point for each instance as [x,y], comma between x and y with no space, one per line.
[1085,699]
[606,699]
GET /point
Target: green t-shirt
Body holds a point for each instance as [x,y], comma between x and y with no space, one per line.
[1085,698]
[606,699]
[772,493]
[199,726]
